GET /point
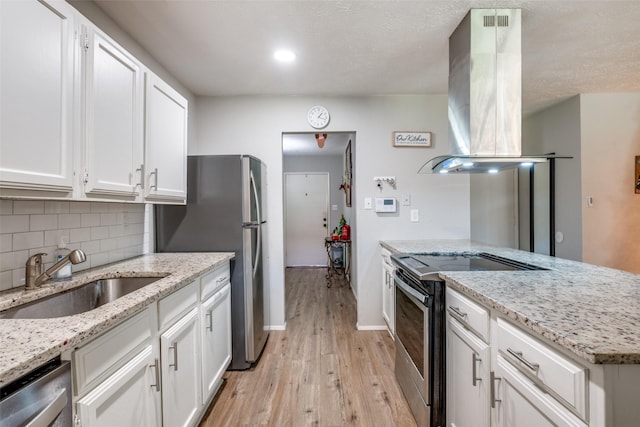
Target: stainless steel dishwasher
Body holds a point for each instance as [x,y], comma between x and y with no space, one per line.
[41,398]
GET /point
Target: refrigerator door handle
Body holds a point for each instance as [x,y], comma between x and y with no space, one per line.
[259,240]
[255,196]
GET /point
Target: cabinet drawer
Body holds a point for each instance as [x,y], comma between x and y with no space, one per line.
[471,314]
[548,368]
[110,351]
[386,259]
[172,307]
[214,281]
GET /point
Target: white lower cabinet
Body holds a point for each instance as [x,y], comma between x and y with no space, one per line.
[388,292]
[181,372]
[216,340]
[520,402]
[161,366]
[468,377]
[129,397]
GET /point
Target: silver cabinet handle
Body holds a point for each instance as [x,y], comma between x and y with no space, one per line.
[474,375]
[174,347]
[51,411]
[156,366]
[518,355]
[493,389]
[155,181]
[141,170]
[221,280]
[210,315]
[455,311]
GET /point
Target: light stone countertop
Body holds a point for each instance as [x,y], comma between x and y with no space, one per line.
[594,312]
[27,343]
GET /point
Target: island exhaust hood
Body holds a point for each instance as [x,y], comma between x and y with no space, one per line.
[485,96]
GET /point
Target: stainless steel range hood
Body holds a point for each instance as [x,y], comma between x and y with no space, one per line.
[485,95]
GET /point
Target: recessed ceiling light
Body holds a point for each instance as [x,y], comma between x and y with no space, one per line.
[444,171]
[492,171]
[526,164]
[284,55]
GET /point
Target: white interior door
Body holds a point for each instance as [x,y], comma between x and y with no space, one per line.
[306,218]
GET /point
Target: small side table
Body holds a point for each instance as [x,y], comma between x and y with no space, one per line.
[345,269]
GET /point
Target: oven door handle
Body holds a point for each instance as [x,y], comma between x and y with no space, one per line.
[410,291]
[51,411]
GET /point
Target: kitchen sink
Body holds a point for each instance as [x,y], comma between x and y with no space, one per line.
[78,300]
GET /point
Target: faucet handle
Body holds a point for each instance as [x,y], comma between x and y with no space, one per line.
[36,260]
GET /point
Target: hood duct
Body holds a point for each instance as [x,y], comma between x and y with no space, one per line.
[485,95]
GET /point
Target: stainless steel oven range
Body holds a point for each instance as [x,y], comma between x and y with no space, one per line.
[420,325]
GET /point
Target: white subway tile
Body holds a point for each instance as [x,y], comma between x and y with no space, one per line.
[17,277]
[28,207]
[69,221]
[6,280]
[91,247]
[108,244]
[116,230]
[99,259]
[14,223]
[6,207]
[98,233]
[33,239]
[79,235]
[56,207]
[108,219]
[80,207]
[43,222]
[6,242]
[52,237]
[83,265]
[116,255]
[90,220]
[13,260]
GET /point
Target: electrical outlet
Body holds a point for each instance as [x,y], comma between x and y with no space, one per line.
[406,200]
[415,215]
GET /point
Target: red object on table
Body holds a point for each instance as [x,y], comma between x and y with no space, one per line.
[335,237]
[345,232]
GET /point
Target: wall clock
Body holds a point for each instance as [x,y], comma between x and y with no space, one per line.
[318,117]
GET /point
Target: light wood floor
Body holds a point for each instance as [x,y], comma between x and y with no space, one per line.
[321,371]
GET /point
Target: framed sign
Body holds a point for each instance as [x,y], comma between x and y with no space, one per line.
[412,139]
[637,176]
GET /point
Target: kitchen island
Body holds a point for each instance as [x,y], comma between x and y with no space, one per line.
[559,346]
[28,343]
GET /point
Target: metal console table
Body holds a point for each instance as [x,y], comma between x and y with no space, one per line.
[338,269]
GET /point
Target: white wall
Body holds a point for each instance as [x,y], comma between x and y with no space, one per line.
[254,125]
[493,208]
[557,129]
[610,142]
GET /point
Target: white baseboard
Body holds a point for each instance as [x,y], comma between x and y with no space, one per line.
[276,327]
[371,327]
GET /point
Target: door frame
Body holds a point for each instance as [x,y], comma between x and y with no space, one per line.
[327,207]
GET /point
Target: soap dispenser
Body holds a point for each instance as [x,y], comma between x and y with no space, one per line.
[65,272]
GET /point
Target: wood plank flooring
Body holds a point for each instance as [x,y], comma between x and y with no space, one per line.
[321,371]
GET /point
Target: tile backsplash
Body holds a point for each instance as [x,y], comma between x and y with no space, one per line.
[106,232]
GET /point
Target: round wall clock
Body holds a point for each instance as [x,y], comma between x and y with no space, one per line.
[318,117]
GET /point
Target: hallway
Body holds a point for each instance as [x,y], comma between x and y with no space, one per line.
[321,371]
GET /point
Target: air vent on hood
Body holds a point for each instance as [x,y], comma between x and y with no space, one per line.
[485,86]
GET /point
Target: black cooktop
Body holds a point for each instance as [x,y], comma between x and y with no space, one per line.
[425,266]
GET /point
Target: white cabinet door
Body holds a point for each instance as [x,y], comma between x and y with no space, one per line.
[216,340]
[129,397]
[468,362]
[388,299]
[165,142]
[113,133]
[519,402]
[37,78]
[179,349]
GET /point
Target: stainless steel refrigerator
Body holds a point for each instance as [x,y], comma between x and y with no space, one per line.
[225,213]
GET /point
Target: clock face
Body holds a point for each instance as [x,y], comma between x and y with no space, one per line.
[318,117]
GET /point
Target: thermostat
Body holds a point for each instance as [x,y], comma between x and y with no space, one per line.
[386,204]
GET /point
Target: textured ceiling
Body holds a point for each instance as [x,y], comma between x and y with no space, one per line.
[377,47]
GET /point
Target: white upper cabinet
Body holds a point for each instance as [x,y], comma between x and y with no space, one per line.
[165,142]
[113,105]
[37,78]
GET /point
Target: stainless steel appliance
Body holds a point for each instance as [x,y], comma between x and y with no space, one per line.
[39,399]
[225,213]
[420,325]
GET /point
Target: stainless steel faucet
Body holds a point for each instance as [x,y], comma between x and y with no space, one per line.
[34,276]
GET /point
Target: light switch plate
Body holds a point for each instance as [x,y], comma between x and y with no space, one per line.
[368,203]
[406,200]
[415,215]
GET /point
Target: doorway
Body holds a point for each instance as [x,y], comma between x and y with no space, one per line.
[303,154]
[306,215]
